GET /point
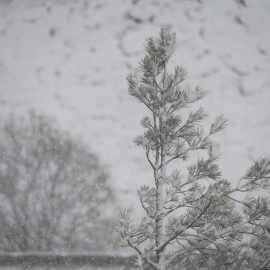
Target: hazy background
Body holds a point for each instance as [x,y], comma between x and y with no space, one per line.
[68,60]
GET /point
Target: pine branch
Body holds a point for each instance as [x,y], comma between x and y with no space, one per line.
[187,227]
[148,158]
[147,260]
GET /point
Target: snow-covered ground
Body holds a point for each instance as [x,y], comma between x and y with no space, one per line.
[69,59]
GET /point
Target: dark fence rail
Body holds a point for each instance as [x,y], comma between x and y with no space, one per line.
[66,259]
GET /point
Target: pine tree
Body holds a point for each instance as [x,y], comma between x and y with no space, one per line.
[194,218]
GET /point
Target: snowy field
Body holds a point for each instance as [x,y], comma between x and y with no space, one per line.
[69,59]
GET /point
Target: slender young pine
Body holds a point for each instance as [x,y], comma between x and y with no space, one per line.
[194,218]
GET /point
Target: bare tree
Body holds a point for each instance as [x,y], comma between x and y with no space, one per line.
[52,189]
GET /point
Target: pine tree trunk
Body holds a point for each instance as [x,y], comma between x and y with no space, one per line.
[160,224]
[160,204]
[161,179]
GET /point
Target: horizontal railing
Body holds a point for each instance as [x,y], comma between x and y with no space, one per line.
[66,259]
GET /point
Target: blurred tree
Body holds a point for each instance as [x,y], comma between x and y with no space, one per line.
[52,189]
